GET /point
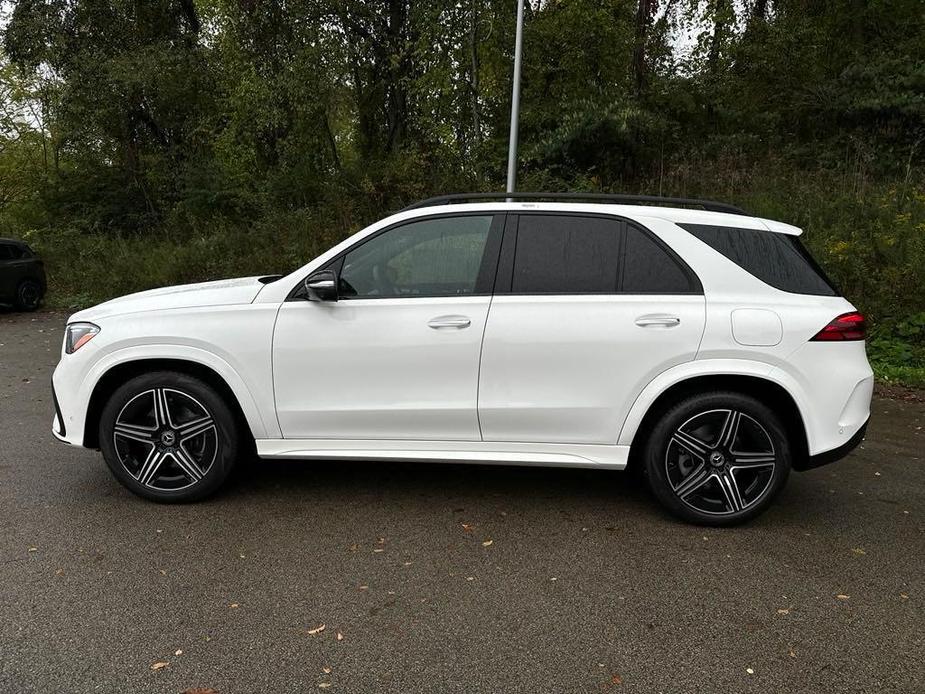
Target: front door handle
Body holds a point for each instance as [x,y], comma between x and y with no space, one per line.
[658,320]
[442,322]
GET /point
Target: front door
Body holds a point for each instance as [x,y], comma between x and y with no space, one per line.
[397,356]
[587,310]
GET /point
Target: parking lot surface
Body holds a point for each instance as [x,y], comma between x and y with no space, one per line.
[384,577]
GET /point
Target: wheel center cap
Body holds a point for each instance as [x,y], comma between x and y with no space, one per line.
[168,438]
[717,459]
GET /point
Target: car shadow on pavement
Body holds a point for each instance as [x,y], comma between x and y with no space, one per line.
[447,482]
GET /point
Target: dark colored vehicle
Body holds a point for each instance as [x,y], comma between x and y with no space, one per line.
[22,276]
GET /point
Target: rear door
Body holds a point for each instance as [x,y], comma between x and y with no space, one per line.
[587,310]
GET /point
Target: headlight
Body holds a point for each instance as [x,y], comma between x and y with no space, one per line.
[76,335]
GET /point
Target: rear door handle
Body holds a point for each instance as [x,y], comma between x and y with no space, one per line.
[442,322]
[658,320]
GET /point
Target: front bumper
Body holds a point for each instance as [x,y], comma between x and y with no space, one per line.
[57,427]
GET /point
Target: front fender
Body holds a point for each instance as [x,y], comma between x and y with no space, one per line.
[78,407]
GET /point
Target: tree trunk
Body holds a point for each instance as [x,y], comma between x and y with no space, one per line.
[722,17]
[396,70]
[645,12]
[474,76]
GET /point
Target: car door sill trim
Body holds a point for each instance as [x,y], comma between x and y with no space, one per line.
[484,452]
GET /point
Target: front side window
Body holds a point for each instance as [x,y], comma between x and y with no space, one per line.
[562,254]
[429,258]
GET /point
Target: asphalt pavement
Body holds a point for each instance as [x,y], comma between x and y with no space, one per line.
[385,577]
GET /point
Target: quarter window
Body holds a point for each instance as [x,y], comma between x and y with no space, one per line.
[777,259]
[428,258]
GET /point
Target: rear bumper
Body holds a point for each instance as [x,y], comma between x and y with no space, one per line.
[835,454]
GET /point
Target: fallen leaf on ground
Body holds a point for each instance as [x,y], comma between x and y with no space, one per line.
[178,652]
[785,610]
[160,665]
[467,527]
[749,671]
[842,596]
[340,637]
[200,690]
[316,630]
[791,652]
[363,588]
[33,549]
[616,680]
[324,685]
[859,551]
[378,549]
[487,543]
[326,670]
[234,605]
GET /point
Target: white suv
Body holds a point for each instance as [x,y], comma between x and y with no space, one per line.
[702,346]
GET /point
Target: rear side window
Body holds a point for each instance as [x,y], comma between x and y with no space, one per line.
[777,259]
[649,269]
[576,254]
[6,251]
[562,254]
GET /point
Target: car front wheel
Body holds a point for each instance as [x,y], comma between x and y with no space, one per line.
[718,458]
[168,437]
[28,295]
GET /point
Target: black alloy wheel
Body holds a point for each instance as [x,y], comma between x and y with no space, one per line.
[168,437]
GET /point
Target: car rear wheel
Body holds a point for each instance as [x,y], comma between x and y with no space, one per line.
[718,458]
[28,295]
[168,437]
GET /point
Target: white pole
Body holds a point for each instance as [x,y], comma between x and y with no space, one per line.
[515,102]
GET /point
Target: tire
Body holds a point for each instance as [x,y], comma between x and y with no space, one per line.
[28,295]
[717,458]
[169,437]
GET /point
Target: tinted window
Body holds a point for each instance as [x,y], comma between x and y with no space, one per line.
[778,259]
[559,254]
[649,269]
[5,251]
[432,257]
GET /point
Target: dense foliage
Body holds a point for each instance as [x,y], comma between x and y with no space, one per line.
[145,142]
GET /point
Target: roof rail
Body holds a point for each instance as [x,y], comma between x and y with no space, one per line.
[709,205]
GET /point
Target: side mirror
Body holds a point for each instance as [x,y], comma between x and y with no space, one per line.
[321,286]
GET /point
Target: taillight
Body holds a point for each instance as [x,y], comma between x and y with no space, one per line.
[848,326]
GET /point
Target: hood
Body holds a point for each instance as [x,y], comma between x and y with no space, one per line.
[219,293]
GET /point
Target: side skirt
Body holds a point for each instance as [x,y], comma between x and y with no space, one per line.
[483,452]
